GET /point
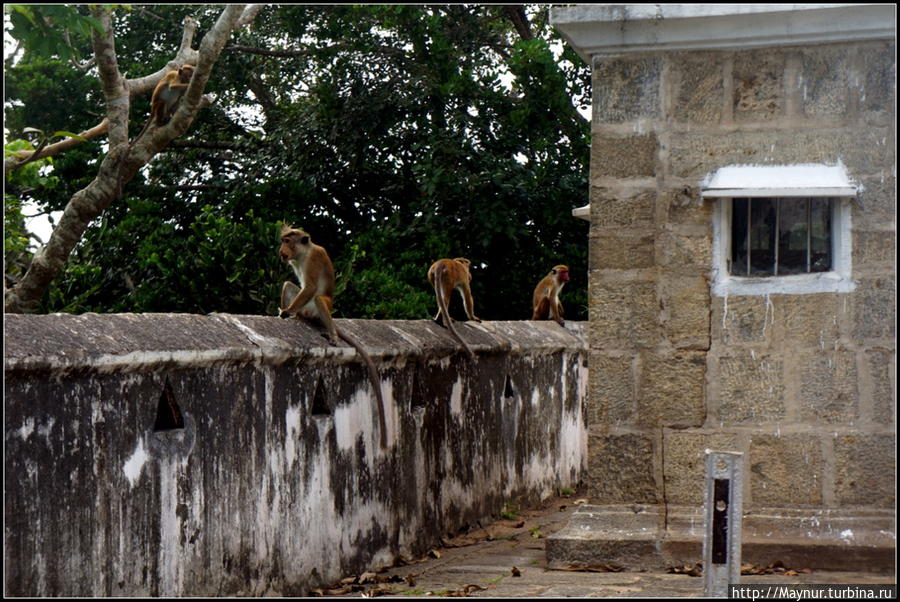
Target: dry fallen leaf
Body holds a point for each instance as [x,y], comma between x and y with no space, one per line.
[377,591]
[583,500]
[692,571]
[434,554]
[411,580]
[516,572]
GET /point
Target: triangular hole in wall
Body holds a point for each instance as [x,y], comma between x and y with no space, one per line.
[319,404]
[508,391]
[168,414]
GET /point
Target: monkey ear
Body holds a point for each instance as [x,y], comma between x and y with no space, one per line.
[304,240]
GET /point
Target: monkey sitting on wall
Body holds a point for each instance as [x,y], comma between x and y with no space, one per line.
[313,299]
[447,275]
[545,301]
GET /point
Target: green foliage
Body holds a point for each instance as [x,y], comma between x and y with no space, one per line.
[17,247]
[394,134]
[510,510]
[44,28]
[214,262]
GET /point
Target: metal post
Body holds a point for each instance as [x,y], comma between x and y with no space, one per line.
[723,514]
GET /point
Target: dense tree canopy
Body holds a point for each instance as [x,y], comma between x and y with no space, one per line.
[395,135]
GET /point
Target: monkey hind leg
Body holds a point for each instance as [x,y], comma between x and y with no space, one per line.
[542,311]
[323,304]
[288,293]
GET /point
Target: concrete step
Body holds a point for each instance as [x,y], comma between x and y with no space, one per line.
[652,537]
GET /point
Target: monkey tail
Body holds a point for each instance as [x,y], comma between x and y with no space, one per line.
[376,382]
[439,293]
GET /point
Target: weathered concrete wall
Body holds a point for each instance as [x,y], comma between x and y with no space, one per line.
[803,385]
[276,482]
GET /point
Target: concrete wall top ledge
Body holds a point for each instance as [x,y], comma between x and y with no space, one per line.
[623,28]
[126,342]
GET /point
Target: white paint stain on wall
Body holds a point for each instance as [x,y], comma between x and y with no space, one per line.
[170,582]
[456,397]
[135,464]
[291,434]
[354,418]
[26,429]
[45,429]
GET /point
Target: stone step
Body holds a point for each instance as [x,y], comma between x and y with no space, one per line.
[652,537]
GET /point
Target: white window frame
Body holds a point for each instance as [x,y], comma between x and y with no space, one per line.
[739,182]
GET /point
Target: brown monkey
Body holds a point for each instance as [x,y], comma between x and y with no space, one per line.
[313,299]
[168,92]
[545,301]
[446,275]
[165,97]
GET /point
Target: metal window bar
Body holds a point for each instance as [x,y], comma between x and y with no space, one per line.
[808,236]
[749,216]
[777,241]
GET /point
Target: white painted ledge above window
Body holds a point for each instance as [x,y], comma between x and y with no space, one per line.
[785,182]
[753,181]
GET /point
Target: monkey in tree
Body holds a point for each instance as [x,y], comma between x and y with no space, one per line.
[313,299]
[163,103]
[165,97]
[447,275]
[545,301]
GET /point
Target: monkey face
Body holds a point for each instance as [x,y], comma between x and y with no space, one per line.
[561,272]
[185,73]
[294,243]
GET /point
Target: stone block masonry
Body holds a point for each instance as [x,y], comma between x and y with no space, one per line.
[184,455]
[804,385]
[783,376]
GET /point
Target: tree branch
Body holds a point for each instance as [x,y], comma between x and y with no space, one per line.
[516,14]
[122,162]
[15,160]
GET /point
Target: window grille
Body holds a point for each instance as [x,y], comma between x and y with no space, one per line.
[780,236]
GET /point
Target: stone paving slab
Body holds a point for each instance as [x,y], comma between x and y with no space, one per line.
[485,568]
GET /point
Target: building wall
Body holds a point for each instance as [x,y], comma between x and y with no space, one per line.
[276,483]
[803,385]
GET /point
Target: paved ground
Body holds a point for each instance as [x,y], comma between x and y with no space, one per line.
[506,559]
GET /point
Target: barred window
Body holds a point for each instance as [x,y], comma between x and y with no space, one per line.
[783,229]
[780,236]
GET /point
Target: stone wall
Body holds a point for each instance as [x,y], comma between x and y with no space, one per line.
[803,385]
[273,480]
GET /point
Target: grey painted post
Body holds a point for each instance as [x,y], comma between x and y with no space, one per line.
[723,514]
